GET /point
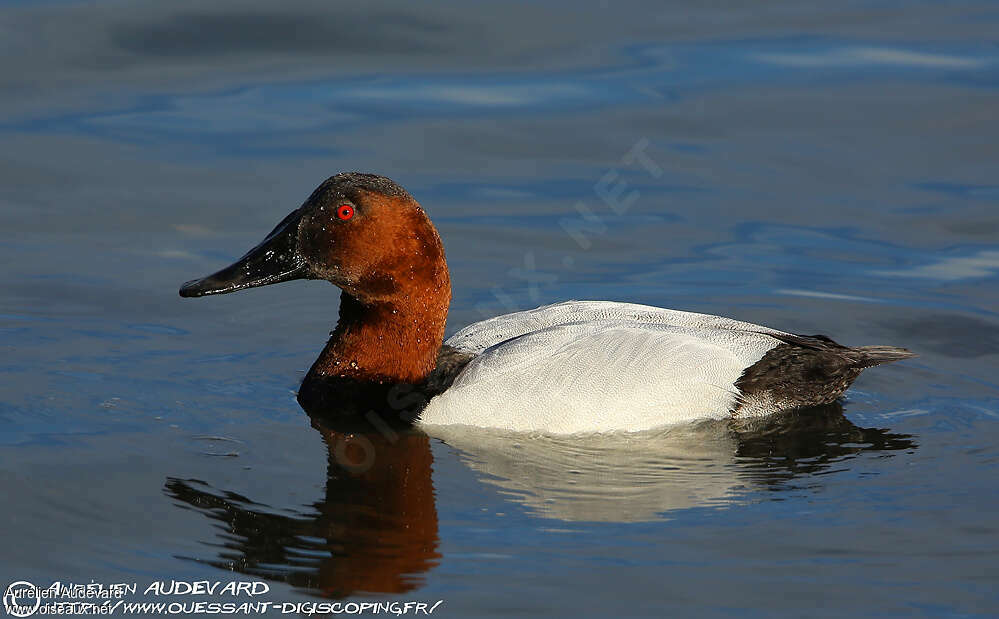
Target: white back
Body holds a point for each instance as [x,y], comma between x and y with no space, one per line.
[598,366]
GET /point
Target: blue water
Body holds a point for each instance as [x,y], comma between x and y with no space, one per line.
[815,168]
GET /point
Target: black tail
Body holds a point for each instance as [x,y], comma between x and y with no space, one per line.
[876,355]
[807,370]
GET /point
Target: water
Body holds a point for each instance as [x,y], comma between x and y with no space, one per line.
[820,169]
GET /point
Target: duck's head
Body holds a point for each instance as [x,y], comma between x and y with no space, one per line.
[368,236]
[362,232]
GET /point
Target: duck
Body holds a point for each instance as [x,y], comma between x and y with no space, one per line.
[566,368]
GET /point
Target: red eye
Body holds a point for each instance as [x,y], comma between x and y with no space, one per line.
[345,211]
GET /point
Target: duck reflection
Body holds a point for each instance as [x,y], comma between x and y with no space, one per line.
[376,528]
[645,476]
[374,531]
[774,451]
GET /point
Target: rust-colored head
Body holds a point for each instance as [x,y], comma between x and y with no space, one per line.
[368,236]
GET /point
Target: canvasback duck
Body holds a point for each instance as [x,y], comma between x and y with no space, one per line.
[577,366]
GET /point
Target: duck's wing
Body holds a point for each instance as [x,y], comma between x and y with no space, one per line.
[616,367]
[479,336]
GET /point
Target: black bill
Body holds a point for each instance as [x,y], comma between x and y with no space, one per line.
[275,259]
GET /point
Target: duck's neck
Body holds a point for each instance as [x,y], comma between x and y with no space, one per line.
[389,341]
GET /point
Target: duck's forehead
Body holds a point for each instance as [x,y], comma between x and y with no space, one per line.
[327,193]
[330,191]
[352,185]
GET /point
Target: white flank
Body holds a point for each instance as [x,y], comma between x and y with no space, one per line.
[598,366]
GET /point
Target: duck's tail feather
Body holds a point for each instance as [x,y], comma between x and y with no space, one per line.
[876,355]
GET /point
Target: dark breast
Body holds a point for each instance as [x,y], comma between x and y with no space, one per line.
[379,402]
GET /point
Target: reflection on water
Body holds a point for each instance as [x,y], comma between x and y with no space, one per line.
[644,476]
[774,451]
[374,531]
[613,477]
[376,528]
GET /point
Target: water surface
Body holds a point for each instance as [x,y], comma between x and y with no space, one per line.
[820,169]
